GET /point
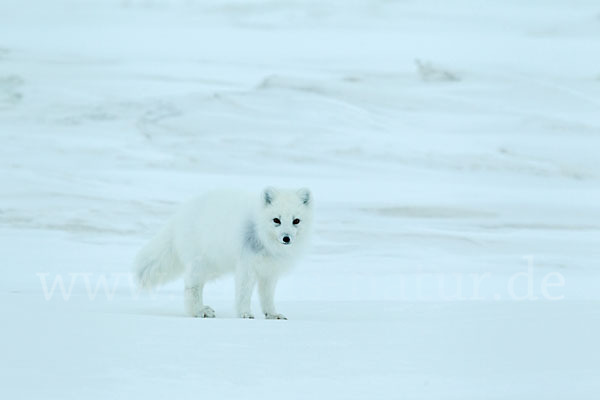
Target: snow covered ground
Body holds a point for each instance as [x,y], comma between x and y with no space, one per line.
[452,148]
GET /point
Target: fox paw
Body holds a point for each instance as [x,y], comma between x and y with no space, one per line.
[275,316]
[205,312]
[247,315]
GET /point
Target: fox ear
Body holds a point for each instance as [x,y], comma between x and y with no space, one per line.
[305,196]
[269,195]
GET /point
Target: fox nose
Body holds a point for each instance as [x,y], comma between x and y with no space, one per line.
[286,239]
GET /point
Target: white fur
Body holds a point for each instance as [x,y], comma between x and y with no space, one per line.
[224,232]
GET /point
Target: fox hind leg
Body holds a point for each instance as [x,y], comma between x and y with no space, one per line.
[194,304]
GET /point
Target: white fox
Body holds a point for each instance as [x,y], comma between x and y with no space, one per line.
[257,237]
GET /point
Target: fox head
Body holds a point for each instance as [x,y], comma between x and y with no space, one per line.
[285,218]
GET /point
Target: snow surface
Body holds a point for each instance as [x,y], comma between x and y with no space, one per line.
[452,148]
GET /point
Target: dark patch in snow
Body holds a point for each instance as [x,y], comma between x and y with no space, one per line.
[9,90]
[430,73]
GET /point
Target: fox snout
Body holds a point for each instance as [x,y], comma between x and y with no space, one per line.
[286,239]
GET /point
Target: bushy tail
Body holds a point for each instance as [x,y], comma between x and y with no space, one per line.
[157,261]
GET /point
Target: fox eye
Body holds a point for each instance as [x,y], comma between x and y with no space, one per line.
[296,221]
[277,221]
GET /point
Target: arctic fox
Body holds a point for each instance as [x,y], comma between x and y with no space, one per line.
[257,237]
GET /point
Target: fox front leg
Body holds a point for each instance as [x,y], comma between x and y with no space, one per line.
[244,286]
[266,292]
